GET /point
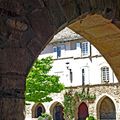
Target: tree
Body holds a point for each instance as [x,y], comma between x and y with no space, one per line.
[39,84]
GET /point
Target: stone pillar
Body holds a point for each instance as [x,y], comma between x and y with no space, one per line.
[14,66]
[12,89]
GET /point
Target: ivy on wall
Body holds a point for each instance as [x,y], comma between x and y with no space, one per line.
[69,103]
[71,99]
[85,96]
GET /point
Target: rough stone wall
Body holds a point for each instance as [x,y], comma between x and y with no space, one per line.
[111,91]
[101,91]
[26,26]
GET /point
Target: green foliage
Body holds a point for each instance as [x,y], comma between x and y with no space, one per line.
[39,85]
[69,103]
[70,100]
[85,96]
[45,116]
[90,118]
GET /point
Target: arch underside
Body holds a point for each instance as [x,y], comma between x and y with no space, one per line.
[104,35]
[26,27]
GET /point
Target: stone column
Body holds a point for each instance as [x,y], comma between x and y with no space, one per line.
[12,87]
[14,66]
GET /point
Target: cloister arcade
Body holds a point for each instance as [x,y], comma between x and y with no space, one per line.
[26,27]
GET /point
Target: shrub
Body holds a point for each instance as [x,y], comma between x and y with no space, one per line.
[45,116]
[90,118]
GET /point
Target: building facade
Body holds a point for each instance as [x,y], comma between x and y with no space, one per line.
[80,67]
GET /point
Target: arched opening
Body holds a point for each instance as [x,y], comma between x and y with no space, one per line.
[37,23]
[82,111]
[57,111]
[106,109]
[37,110]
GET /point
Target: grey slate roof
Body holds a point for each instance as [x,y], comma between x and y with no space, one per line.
[65,35]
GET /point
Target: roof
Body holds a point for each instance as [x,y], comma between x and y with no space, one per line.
[65,35]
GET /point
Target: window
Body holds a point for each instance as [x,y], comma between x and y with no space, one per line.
[55,49]
[58,49]
[85,48]
[63,47]
[105,74]
[37,110]
[83,76]
[77,45]
[58,112]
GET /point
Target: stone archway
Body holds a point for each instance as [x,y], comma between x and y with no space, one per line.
[82,111]
[106,109]
[37,110]
[56,111]
[26,26]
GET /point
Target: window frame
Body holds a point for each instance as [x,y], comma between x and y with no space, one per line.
[85,49]
[58,49]
[105,74]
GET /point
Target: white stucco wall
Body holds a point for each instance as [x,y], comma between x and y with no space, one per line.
[92,65]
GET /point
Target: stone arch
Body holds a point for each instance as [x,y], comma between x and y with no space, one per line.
[97,37]
[37,109]
[82,16]
[86,18]
[106,108]
[82,111]
[102,96]
[37,21]
[56,110]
